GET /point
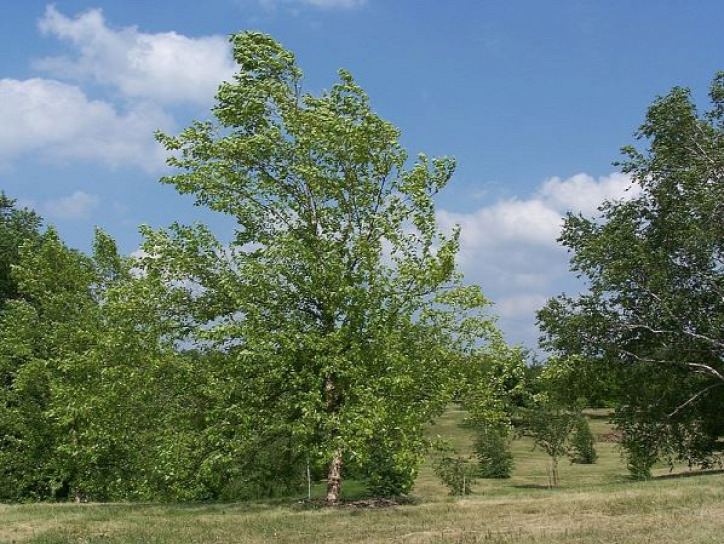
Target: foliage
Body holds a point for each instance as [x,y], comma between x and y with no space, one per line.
[641,448]
[551,427]
[94,404]
[51,443]
[583,450]
[492,447]
[578,382]
[17,227]
[390,470]
[335,302]
[495,385]
[457,473]
[652,321]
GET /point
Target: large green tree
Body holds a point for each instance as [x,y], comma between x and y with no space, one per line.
[652,319]
[336,297]
[93,403]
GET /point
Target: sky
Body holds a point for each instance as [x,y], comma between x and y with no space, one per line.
[534,99]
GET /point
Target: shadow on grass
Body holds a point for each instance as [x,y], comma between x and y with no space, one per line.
[689,474]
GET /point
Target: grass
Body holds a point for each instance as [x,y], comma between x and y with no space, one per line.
[595,504]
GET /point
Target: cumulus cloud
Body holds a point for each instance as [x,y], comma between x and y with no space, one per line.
[509,247]
[79,205]
[583,193]
[166,66]
[59,121]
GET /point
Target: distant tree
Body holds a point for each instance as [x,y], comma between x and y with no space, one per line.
[336,298]
[576,382]
[551,428]
[583,449]
[494,385]
[652,319]
[492,448]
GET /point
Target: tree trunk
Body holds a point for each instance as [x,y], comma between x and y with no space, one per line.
[334,478]
[334,475]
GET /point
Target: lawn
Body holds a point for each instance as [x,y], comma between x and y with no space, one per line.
[594,504]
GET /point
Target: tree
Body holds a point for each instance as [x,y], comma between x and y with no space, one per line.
[494,385]
[43,336]
[583,450]
[17,226]
[653,316]
[551,428]
[492,448]
[336,298]
[85,385]
[457,473]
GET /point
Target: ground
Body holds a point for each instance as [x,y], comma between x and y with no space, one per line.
[594,504]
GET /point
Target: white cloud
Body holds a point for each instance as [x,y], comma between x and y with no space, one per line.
[583,193]
[509,247]
[59,121]
[527,221]
[76,206]
[167,67]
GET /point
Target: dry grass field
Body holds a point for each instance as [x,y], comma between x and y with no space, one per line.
[594,504]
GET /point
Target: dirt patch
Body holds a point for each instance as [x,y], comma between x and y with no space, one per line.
[613,436]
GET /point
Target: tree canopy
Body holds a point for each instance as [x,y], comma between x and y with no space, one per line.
[17,226]
[653,315]
[336,297]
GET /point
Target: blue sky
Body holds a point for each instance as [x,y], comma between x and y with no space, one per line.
[533,98]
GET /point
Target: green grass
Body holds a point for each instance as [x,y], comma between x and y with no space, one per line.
[594,504]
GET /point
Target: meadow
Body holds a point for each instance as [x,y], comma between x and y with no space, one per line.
[594,504]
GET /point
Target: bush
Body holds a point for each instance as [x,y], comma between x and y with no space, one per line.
[390,475]
[640,442]
[492,448]
[457,473]
[582,448]
[641,460]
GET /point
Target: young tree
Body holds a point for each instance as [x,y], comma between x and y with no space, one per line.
[337,299]
[457,473]
[583,449]
[653,317]
[492,448]
[551,428]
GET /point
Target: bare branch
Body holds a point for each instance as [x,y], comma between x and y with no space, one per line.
[692,399]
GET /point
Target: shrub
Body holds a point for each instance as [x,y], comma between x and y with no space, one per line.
[492,448]
[390,475]
[640,461]
[457,473]
[641,444]
[582,448]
